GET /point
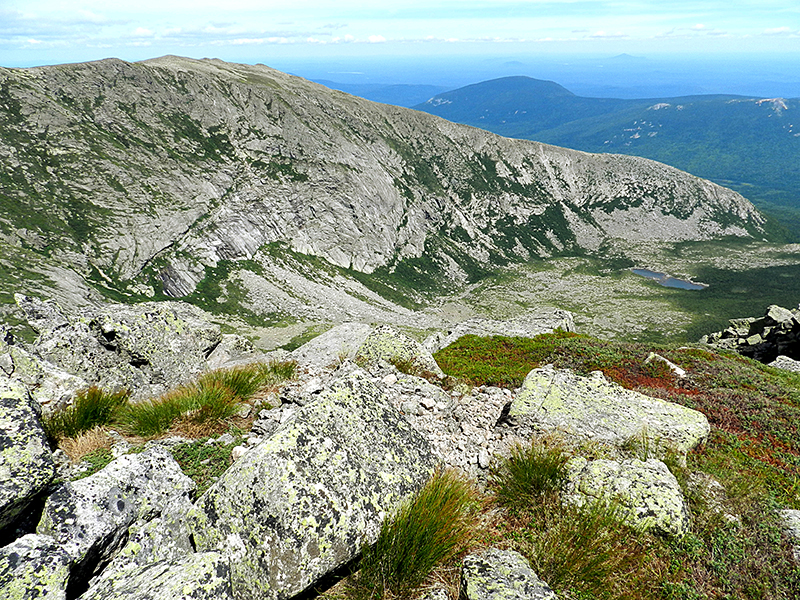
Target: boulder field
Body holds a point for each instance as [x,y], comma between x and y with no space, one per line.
[347,442]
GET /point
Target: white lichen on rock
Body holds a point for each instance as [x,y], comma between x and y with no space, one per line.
[304,501]
[593,408]
[496,574]
[648,494]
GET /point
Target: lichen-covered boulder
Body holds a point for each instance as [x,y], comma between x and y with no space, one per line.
[165,538]
[90,517]
[501,575]
[201,576]
[593,408]
[648,494]
[46,383]
[786,363]
[146,347]
[303,502]
[529,324]
[26,463]
[34,566]
[387,344]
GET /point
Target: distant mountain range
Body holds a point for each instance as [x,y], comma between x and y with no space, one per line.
[747,143]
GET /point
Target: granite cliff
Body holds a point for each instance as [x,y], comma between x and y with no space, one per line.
[243,187]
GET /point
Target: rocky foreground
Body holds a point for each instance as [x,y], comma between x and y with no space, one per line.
[344,445]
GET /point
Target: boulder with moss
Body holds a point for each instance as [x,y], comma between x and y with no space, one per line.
[305,500]
[596,409]
[496,574]
[91,517]
[389,345]
[647,493]
[26,463]
[32,567]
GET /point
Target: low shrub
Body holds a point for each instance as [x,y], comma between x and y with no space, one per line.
[431,529]
[90,408]
[203,463]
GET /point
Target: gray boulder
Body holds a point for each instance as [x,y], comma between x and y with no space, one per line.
[648,494]
[201,576]
[530,324]
[332,346]
[34,566]
[90,517]
[501,575]
[387,344]
[147,347]
[49,385]
[786,363]
[593,408]
[305,500]
[26,463]
[790,519]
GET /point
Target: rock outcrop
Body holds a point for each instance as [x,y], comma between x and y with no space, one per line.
[595,409]
[90,518]
[765,338]
[530,324]
[389,345]
[304,501]
[33,567]
[267,188]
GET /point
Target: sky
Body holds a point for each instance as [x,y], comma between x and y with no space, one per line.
[288,32]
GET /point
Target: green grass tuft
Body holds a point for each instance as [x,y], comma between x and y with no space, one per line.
[529,475]
[89,409]
[206,403]
[430,530]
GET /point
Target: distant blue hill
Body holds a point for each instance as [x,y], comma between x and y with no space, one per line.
[747,143]
[406,95]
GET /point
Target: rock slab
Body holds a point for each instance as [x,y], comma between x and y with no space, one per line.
[593,408]
[26,463]
[501,575]
[34,566]
[303,502]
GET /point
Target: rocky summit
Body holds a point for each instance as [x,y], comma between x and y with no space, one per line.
[240,186]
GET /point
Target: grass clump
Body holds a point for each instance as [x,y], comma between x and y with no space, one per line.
[205,405]
[90,408]
[529,475]
[432,529]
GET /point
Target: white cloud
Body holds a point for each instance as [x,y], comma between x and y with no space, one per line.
[142,32]
[698,27]
[777,31]
[376,39]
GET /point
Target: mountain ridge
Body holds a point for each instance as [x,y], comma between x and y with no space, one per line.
[155,177]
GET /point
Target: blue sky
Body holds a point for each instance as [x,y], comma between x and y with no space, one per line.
[35,32]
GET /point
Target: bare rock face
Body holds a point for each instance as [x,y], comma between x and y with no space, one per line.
[595,409]
[305,500]
[164,174]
